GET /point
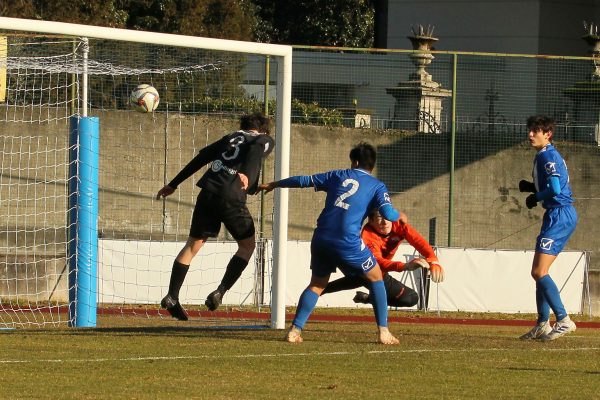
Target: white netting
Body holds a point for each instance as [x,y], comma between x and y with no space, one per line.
[139,236]
[74,64]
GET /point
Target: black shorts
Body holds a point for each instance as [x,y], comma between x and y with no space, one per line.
[211,210]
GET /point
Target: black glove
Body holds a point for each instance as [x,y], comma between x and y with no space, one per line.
[525,186]
[531,201]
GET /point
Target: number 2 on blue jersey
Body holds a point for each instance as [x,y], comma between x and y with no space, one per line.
[353,183]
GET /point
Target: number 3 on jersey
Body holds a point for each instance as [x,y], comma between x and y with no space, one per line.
[339,202]
[235,148]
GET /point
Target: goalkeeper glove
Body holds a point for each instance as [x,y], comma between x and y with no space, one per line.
[415,263]
[437,272]
[525,186]
[531,201]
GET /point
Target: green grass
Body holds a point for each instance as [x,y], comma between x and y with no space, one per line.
[154,359]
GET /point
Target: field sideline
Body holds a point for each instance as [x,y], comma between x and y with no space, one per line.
[138,358]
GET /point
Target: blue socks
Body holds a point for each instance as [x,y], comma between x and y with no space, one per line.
[543,308]
[379,300]
[308,301]
[552,296]
[306,304]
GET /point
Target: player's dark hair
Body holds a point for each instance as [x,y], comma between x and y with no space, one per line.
[373,213]
[537,122]
[365,155]
[256,122]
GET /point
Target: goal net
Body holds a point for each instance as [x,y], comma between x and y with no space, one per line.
[112,240]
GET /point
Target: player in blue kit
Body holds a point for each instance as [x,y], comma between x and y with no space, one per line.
[551,187]
[336,241]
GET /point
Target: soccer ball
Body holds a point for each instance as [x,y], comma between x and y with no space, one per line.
[144,98]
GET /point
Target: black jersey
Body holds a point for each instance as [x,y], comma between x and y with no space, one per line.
[242,152]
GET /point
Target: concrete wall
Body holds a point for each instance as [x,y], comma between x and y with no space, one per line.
[139,153]
[489,211]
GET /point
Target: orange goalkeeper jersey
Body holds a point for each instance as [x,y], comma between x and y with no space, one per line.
[384,247]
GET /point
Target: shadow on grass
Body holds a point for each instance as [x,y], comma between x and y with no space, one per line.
[561,370]
[249,332]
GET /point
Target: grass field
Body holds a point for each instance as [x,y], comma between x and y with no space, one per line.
[134,358]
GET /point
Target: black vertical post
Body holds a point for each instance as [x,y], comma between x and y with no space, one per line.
[427,282]
[432,229]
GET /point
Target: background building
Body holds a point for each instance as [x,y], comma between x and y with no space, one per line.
[550,27]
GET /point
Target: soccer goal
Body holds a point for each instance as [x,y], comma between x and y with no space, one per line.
[82,234]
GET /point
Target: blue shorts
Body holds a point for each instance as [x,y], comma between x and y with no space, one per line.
[326,257]
[557,227]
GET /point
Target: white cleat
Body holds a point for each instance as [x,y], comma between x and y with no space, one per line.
[559,329]
[294,335]
[541,329]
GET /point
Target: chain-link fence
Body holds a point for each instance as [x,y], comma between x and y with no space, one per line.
[449,128]
[451,137]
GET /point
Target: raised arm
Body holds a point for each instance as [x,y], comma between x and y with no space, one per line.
[203,157]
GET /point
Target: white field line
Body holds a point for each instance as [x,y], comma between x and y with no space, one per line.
[317,354]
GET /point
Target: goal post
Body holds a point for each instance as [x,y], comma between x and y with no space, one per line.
[281,54]
[84,138]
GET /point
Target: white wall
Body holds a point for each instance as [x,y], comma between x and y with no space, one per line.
[500,280]
[476,280]
[136,272]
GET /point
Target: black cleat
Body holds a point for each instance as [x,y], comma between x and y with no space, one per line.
[174,308]
[214,299]
[362,297]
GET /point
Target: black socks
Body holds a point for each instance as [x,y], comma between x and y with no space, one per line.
[177,277]
[234,270]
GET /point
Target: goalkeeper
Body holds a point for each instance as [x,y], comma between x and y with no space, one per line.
[383,238]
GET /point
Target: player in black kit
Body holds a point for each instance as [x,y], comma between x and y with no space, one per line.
[236,161]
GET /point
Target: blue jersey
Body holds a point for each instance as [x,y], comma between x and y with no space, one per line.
[548,162]
[351,194]
[336,242]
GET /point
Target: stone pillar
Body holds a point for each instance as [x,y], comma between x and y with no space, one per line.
[419,100]
[586,94]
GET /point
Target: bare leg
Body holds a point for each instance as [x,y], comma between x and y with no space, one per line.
[306,304]
[541,265]
[385,336]
[246,248]
[190,249]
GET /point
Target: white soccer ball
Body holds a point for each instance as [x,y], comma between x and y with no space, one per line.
[144,98]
